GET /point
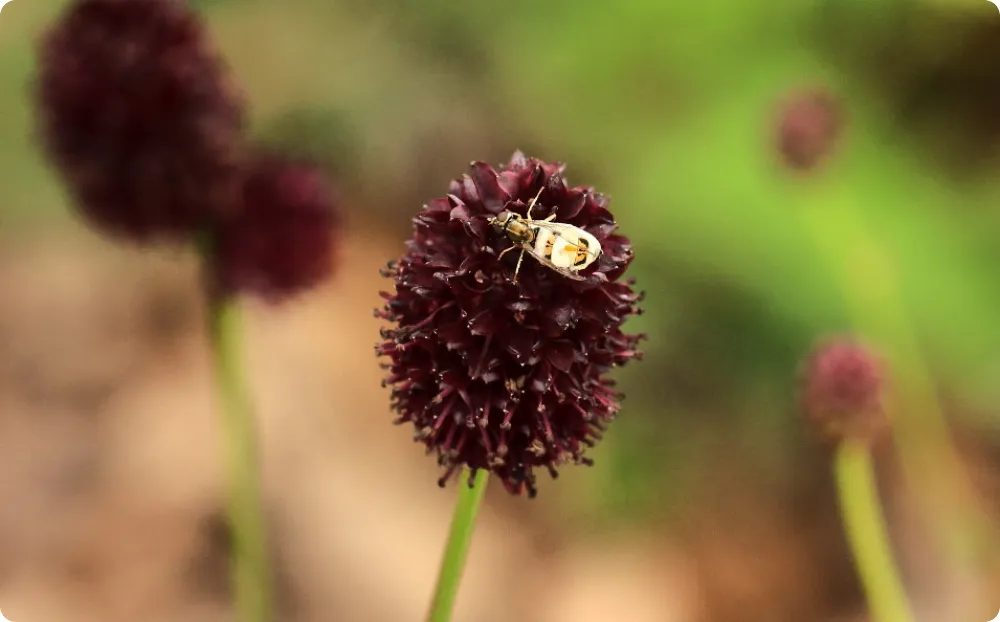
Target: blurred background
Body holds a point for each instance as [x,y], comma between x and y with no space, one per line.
[708,500]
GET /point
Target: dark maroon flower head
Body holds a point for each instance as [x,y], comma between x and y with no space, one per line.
[284,239]
[135,111]
[809,123]
[842,395]
[495,374]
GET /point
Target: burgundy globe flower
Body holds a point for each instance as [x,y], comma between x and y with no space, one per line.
[284,239]
[135,111]
[499,375]
[842,394]
[809,123]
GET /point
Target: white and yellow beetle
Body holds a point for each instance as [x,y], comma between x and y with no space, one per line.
[561,247]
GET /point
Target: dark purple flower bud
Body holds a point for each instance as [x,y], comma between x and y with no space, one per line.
[135,111]
[809,123]
[284,239]
[503,375]
[842,392]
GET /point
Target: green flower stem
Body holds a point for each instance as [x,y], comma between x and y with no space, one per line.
[249,567]
[867,277]
[463,523]
[867,535]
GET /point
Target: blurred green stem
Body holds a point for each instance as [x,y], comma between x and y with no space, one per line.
[249,568]
[457,548]
[868,279]
[867,535]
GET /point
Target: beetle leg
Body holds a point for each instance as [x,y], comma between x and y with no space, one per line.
[534,200]
[505,251]
[518,268]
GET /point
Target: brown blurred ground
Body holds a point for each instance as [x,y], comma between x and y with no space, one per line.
[111,476]
[112,494]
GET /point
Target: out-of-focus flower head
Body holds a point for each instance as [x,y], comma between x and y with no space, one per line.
[284,239]
[135,110]
[842,392]
[809,124]
[499,375]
